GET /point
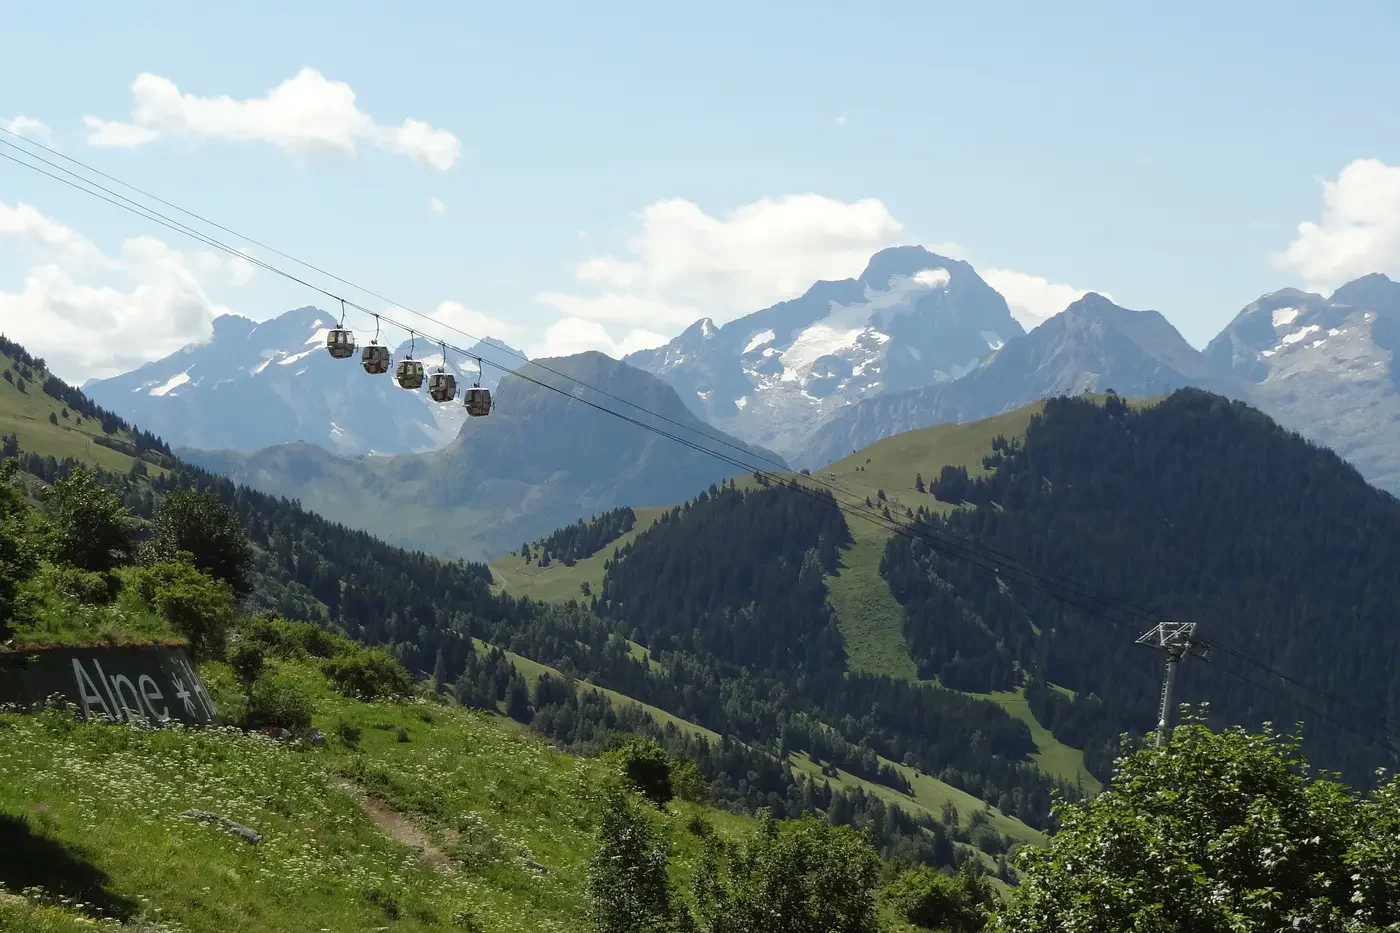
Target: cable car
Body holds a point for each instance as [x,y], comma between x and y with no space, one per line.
[340,342]
[374,358]
[477,401]
[442,386]
[409,374]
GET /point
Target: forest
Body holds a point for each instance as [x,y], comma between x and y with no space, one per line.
[1136,504]
[582,539]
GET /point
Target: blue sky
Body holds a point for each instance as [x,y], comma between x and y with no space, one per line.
[621,168]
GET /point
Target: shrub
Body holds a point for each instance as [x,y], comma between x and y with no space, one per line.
[247,661]
[368,673]
[90,529]
[349,735]
[295,639]
[401,734]
[956,903]
[277,702]
[645,766]
[82,586]
[687,781]
[198,606]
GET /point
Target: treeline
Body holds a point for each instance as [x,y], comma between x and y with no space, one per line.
[573,543]
[1196,508]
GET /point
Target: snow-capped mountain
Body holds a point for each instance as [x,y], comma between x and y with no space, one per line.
[1093,345]
[252,385]
[913,318]
[1326,368]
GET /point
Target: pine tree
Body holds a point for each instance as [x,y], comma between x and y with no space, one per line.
[440,673]
[919,482]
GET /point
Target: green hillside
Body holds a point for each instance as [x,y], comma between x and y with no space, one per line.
[437,814]
[44,424]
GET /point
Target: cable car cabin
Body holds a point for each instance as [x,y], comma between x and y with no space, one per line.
[477,401]
[409,374]
[340,342]
[375,359]
[442,387]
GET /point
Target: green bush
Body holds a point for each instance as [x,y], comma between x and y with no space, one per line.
[195,604]
[687,781]
[349,735]
[294,639]
[368,673]
[957,903]
[247,660]
[83,586]
[277,702]
[89,527]
[647,768]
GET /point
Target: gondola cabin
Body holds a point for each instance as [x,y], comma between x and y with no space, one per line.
[442,387]
[340,342]
[375,359]
[409,374]
[477,401]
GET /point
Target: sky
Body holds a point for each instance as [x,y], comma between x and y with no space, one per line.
[569,176]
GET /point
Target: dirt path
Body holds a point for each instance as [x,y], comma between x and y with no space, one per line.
[402,828]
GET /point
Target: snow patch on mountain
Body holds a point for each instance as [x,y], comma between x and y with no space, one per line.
[1282,317]
[759,339]
[171,384]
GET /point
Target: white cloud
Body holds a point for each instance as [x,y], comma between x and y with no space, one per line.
[1033,298]
[476,323]
[31,127]
[91,315]
[305,114]
[436,206]
[948,249]
[684,263]
[1359,232]
[839,120]
[574,335]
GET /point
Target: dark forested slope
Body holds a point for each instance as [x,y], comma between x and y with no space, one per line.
[1195,508]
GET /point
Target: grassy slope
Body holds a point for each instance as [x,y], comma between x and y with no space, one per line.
[557,583]
[479,791]
[26,415]
[871,620]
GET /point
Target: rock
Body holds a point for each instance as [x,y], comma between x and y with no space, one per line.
[250,836]
[317,738]
[531,863]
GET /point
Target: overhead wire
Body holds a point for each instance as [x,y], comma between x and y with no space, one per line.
[974,553]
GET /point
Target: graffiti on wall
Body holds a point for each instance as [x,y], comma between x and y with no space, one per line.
[122,684]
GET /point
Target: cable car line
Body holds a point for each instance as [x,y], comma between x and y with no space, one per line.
[974,553]
[719,439]
[411,376]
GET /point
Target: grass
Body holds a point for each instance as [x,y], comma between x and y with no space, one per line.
[1053,756]
[497,802]
[533,670]
[52,619]
[26,415]
[558,583]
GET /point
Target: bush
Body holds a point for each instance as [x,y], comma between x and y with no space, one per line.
[295,639]
[645,766]
[956,903]
[687,781]
[247,661]
[401,734]
[368,673]
[90,529]
[195,604]
[81,586]
[349,735]
[277,702]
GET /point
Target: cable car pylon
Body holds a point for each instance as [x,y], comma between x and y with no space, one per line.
[1176,640]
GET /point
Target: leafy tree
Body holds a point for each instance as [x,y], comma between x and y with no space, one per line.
[197,522]
[19,557]
[801,876]
[1217,832]
[368,673]
[277,702]
[934,900]
[645,766]
[247,661]
[628,888]
[198,606]
[90,529]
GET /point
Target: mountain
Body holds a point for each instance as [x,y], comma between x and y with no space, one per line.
[1093,345]
[1326,367]
[252,385]
[541,460]
[913,318]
